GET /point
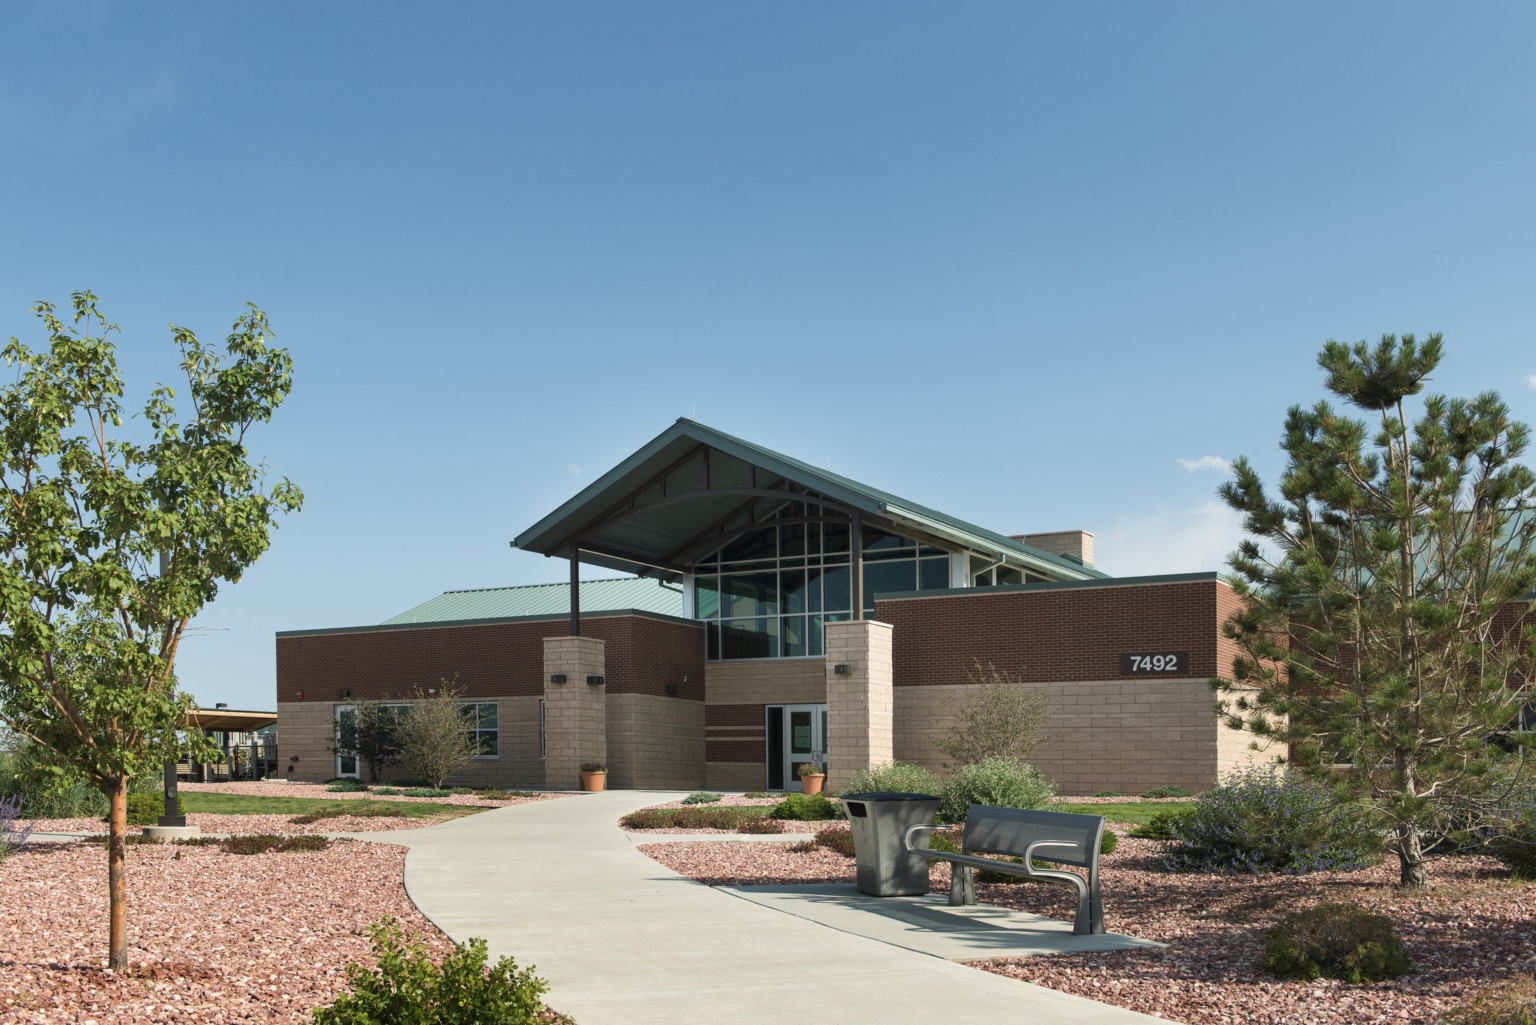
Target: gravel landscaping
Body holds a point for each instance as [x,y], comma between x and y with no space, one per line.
[1475,927]
[210,823]
[318,790]
[213,937]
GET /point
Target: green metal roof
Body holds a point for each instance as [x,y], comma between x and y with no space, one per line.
[639,593]
[641,542]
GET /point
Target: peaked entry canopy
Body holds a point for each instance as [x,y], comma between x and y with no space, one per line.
[693,488]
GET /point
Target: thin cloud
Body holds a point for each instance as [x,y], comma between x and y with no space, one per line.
[575,470]
[1169,540]
[1530,379]
[1206,463]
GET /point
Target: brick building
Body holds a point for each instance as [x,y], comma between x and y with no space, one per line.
[777,614]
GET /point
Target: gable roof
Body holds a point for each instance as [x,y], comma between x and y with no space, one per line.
[633,518]
[623,594]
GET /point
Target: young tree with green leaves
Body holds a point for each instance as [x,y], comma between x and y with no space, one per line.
[436,735]
[113,538]
[1385,637]
[369,732]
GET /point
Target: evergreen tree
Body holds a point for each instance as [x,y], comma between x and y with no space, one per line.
[1385,638]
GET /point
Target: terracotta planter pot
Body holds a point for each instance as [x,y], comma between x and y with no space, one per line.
[594,781]
[812,784]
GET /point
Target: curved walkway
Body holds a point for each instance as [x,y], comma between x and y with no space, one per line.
[624,941]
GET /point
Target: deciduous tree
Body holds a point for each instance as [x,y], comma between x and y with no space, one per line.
[113,537]
[1385,639]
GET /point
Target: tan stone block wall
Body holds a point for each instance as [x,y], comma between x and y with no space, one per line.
[304,729]
[1235,750]
[793,681]
[655,742]
[1122,735]
[748,776]
[860,705]
[576,712]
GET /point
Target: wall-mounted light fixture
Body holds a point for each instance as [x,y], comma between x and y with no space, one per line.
[293,758]
[672,688]
[557,678]
[342,692]
[596,681]
[221,704]
[840,670]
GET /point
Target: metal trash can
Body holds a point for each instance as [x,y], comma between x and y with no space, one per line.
[879,822]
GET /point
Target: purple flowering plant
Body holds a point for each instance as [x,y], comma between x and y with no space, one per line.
[12,837]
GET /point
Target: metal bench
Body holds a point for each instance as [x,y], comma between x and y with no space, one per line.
[1031,835]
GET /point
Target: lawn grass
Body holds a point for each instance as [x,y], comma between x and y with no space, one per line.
[241,804]
[1139,812]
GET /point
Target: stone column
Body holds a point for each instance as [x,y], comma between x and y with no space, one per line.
[860,705]
[575,712]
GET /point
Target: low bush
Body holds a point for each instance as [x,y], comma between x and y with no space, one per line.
[837,838]
[999,781]
[388,791]
[408,987]
[1511,1003]
[1108,793]
[1260,821]
[1108,842]
[1335,941]
[806,808]
[407,783]
[760,825]
[102,839]
[146,809]
[1168,791]
[427,792]
[12,837]
[760,795]
[347,786]
[894,777]
[461,791]
[1161,825]
[701,797]
[1512,839]
[690,818]
[269,843]
[492,794]
[355,809]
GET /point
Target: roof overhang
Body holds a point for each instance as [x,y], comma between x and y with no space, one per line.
[232,720]
[691,488]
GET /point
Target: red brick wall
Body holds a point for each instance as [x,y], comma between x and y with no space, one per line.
[488,660]
[1058,634]
[734,733]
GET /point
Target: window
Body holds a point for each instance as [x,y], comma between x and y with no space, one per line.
[770,593]
[480,720]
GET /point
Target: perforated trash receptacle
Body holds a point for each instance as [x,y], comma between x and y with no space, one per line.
[879,822]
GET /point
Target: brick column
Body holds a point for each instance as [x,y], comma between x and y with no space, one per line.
[575,712]
[859,701]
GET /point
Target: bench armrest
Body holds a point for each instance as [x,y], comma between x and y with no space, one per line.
[906,840]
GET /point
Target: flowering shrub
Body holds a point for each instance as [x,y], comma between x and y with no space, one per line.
[1000,781]
[894,777]
[12,839]
[1259,820]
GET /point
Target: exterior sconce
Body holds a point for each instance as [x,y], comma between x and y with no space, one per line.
[672,688]
[596,681]
[342,692]
[840,670]
[293,758]
[557,678]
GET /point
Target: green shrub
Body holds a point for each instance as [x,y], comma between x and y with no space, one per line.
[270,843]
[1512,839]
[407,987]
[837,838]
[701,797]
[1169,791]
[1511,1003]
[347,786]
[760,795]
[1161,825]
[461,791]
[1259,820]
[894,777]
[999,781]
[102,839]
[44,794]
[1108,842]
[1107,793]
[761,824]
[388,791]
[146,809]
[406,783]
[493,794]
[806,808]
[427,792]
[690,818]
[1335,941]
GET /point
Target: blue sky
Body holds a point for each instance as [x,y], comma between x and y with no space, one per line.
[1017,259]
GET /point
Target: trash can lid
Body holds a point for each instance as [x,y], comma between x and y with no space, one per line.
[887,795]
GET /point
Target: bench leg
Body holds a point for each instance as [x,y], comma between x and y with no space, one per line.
[962,886]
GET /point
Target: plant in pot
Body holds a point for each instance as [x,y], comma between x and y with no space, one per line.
[594,775]
[812,776]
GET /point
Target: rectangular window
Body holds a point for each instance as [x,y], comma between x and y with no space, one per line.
[480,719]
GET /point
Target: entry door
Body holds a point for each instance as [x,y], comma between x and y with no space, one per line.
[796,734]
[346,764]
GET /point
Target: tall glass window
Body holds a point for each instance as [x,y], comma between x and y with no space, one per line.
[770,593]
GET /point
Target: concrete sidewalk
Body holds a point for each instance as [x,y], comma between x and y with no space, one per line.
[625,941]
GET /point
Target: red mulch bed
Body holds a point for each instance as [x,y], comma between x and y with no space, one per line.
[1473,928]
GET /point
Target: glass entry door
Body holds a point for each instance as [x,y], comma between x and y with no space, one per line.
[346,764]
[796,734]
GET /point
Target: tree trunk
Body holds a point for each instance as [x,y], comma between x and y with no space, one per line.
[117,882]
[1410,856]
